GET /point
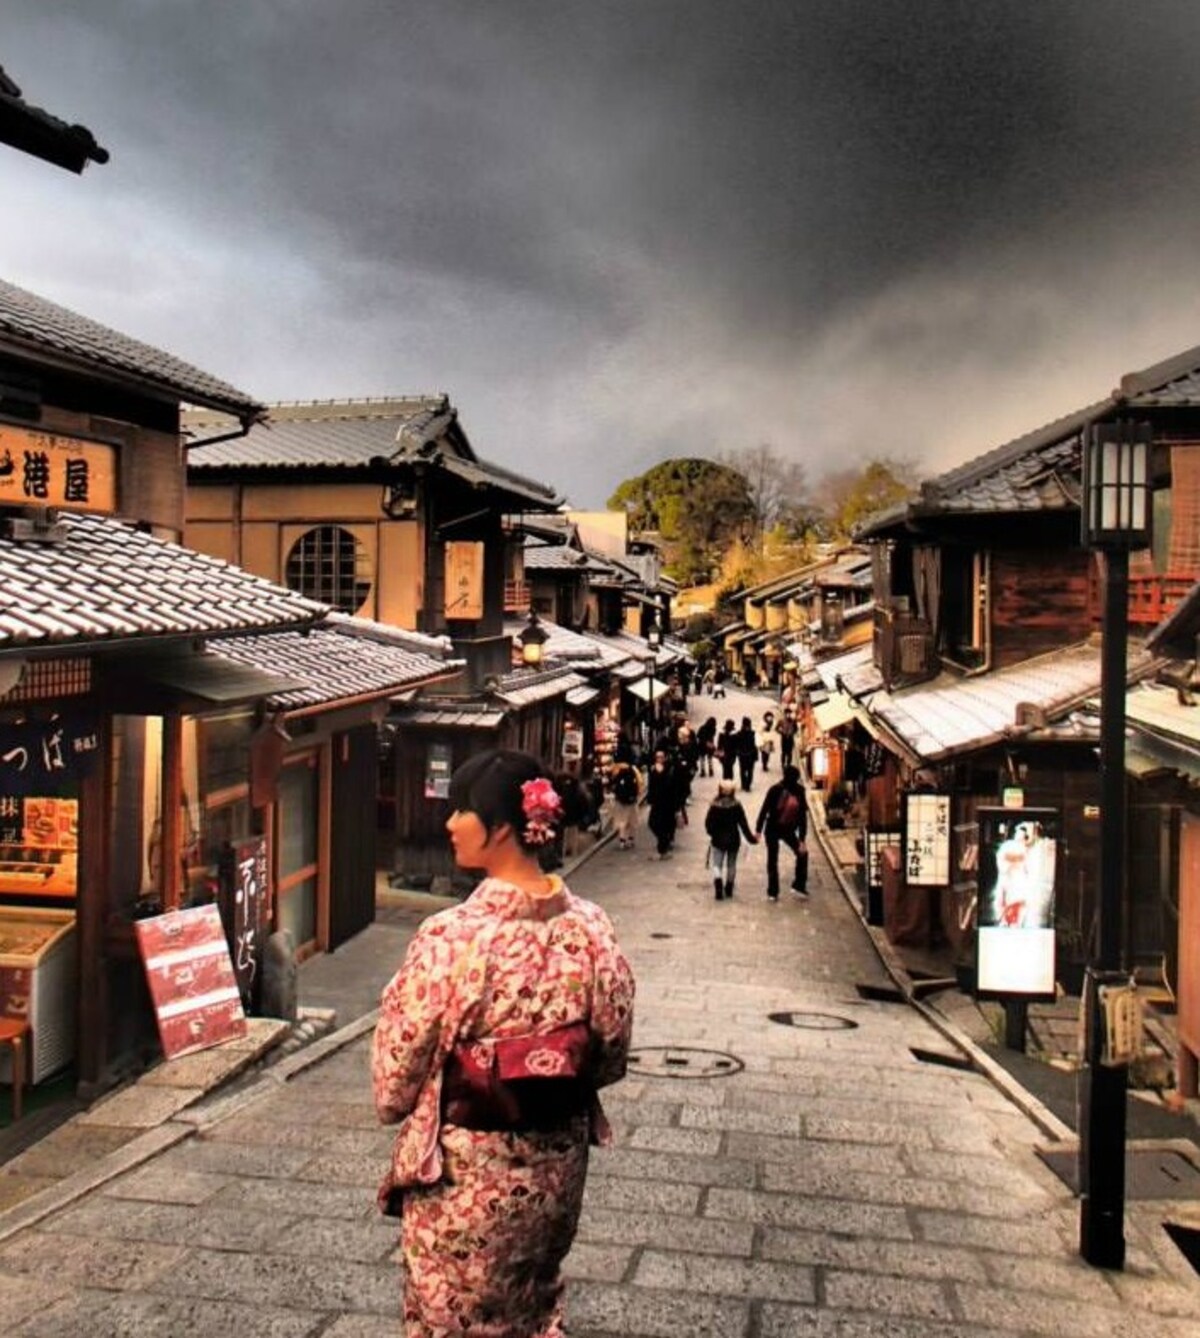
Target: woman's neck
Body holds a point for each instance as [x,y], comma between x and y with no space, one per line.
[523,871]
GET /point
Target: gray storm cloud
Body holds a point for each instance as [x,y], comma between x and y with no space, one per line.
[617,231]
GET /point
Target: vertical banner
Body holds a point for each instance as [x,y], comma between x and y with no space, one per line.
[1018,866]
[927,840]
[464,580]
[439,764]
[244,911]
[191,980]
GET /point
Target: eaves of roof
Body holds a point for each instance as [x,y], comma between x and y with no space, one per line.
[35,328]
[38,133]
[106,583]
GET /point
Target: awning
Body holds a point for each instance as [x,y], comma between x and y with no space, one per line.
[198,680]
[648,689]
[838,710]
[582,696]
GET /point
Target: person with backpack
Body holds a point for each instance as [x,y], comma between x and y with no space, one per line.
[626,791]
[725,822]
[784,817]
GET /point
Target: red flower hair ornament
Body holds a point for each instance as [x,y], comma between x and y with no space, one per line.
[543,808]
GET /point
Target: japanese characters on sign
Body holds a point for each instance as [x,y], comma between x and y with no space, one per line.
[191,980]
[438,766]
[927,840]
[42,469]
[243,875]
[878,838]
[47,757]
[464,580]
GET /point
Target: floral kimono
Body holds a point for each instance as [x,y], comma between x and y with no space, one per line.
[489,1214]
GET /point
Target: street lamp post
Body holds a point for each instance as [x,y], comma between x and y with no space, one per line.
[1116,518]
[532,637]
[654,642]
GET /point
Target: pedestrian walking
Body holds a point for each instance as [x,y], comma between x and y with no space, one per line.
[766,740]
[706,742]
[783,817]
[719,681]
[727,750]
[786,729]
[510,1011]
[662,795]
[726,823]
[747,752]
[626,789]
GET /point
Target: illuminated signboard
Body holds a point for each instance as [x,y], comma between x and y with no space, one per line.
[44,469]
[926,840]
[1018,865]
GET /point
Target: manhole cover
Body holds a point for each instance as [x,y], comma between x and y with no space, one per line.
[682,1061]
[1150,1173]
[814,1021]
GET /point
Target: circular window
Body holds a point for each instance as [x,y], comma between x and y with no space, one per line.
[330,565]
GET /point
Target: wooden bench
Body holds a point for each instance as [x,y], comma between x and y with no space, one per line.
[14,1032]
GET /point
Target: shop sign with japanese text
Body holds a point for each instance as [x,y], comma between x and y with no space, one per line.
[47,757]
[926,840]
[43,469]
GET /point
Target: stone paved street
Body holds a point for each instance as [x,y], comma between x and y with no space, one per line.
[768,1180]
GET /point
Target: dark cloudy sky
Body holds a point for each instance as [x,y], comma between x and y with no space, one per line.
[615,232]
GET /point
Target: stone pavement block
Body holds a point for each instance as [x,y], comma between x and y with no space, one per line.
[140,1107]
[640,1196]
[675,1167]
[853,1219]
[726,1277]
[164,1182]
[985,1232]
[1061,1277]
[597,1263]
[16,1189]
[1156,1295]
[361,1326]
[368,1241]
[995,1172]
[169,1224]
[298,1104]
[808,1152]
[21,1296]
[696,1234]
[612,1309]
[346,1168]
[893,1296]
[204,1069]
[900,1189]
[743,1119]
[254,1131]
[1074,1319]
[837,1129]
[206,1154]
[88,1261]
[67,1149]
[777,1320]
[297,1200]
[102,1315]
[696,1142]
[905,1259]
[277,1280]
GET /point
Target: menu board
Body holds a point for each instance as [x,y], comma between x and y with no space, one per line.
[196,998]
[39,845]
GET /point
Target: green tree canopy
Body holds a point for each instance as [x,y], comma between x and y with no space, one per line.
[849,496]
[697,507]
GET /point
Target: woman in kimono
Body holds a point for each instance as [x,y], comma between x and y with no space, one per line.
[509,1012]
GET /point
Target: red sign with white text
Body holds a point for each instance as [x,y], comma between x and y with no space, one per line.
[196,998]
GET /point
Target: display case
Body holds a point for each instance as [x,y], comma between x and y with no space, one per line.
[38,966]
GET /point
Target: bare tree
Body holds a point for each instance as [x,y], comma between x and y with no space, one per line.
[776,486]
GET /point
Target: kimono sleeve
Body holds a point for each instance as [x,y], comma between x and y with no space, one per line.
[612,1005]
[408,1032]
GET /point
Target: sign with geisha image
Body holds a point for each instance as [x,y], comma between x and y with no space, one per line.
[44,469]
[197,1003]
[1018,869]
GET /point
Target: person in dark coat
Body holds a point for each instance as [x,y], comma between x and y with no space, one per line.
[662,797]
[727,749]
[747,752]
[726,823]
[706,741]
[783,817]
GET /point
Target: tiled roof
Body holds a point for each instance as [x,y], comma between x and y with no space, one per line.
[561,643]
[340,659]
[29,322]
[562,557]
[107,581]
[524,688]
[1040,470]
[348,435]
[431,713]
[952,715]
[1163,711]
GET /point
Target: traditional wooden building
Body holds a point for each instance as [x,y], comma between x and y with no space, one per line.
[985,669]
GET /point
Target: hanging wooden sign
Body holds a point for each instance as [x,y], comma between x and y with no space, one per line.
[43,469]
[464,580]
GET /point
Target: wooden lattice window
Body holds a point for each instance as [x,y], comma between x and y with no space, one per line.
[46,679]
[329,564]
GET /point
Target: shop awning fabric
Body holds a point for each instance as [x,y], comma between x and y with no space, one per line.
[838,710]
[648,689]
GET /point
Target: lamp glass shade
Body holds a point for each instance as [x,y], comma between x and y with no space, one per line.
[1116,504]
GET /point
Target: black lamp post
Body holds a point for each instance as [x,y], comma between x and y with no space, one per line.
[654,642]
[1116,510]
